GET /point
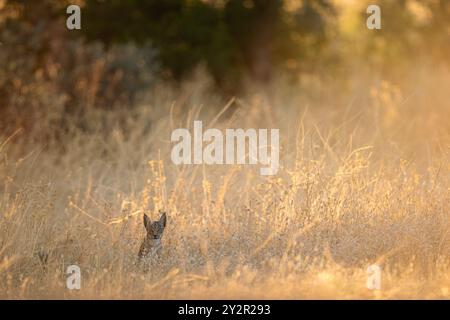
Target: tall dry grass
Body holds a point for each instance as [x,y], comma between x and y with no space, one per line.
[364,179]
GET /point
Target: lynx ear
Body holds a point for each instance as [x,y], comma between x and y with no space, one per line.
[147,222]
[163,219]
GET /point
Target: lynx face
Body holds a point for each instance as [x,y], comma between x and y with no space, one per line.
[155,229]
[152,241]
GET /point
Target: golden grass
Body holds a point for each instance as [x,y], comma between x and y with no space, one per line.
[364,179]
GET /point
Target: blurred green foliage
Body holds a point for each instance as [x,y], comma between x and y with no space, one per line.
[231,37]
[412,30]
[125,45]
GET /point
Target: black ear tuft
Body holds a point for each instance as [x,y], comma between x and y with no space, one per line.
[163,219]
[147,222]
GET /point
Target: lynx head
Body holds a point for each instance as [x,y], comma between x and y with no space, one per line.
[155,229]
